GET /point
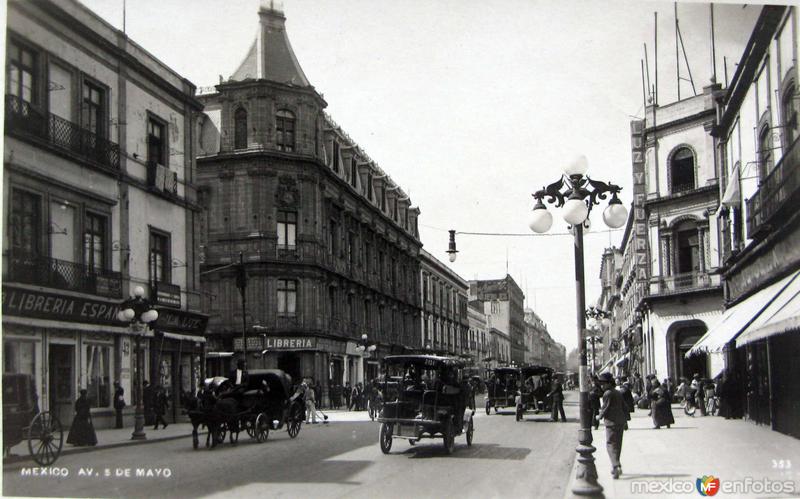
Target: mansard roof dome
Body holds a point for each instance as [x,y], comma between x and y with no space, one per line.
[271,57]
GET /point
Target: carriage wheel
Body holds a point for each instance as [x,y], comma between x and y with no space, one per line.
[449,437]
[386,437]
[250,428]
[295,421]
[233,436]
[261,428]
[45,438]
[195,439]
[470,431]
[488,406]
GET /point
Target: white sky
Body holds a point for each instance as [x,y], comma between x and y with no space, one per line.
[470,105]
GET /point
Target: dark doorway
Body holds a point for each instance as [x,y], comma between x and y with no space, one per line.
[758,383]
[290,363]
[61,363]
[684,339]
[784,352]
[337,372]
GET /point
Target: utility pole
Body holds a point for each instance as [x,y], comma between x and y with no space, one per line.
[241,283]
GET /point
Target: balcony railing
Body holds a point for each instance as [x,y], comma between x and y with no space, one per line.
[60,274]
[162,178]
[681,282]
[775,193]
[24,120]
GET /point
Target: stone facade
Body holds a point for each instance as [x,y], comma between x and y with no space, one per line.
[328,240]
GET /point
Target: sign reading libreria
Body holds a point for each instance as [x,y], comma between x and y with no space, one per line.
[42,305]
[277,343]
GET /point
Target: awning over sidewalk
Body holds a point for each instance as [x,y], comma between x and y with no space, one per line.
[623,360]
[185,337]
[780,316]
[606,366]
[218,355]
[737,318]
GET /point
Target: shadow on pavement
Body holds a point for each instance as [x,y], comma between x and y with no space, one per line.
[476,451]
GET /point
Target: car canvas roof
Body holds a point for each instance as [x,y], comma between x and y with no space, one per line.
[423,359]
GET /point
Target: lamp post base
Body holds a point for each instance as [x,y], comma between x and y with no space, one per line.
[138,426]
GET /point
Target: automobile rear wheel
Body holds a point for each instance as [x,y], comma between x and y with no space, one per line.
[488,407]
[386,437]
[470,431]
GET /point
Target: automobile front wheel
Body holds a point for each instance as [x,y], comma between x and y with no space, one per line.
[386,437]
[449,437]
[488,407]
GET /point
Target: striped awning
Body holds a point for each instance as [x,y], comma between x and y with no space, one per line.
[780,316]
[739,317]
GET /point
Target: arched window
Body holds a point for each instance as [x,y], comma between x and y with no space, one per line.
[240,129]
[789,114]
[682,170]
[284,130]
[764,153]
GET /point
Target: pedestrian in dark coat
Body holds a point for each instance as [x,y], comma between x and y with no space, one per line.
[557,399]
[160,407]
[119,403]
[148,397]
[661,409]
[347,393]
[595,394]
[615,417]
[82,431]
[627,396]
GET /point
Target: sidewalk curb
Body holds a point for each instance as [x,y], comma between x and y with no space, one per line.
[9,462]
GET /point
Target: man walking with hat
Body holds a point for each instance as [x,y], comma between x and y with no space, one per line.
[615,416]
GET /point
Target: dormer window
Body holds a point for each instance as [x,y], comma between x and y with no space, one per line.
[284,130]
[682,170]
[369,186]
[383,198]
[353,171]
[240,129]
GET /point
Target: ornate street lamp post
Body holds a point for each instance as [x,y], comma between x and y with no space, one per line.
[600,317]
[365,346]
[577,194]
[139,313]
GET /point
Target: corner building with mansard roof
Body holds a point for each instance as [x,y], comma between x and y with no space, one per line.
[329,241]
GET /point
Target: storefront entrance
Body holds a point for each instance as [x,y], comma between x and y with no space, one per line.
[683,339]
[61,369]
[289,362]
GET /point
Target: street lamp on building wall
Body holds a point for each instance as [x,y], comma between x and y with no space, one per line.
[365,346]
[576,193]
[139,313]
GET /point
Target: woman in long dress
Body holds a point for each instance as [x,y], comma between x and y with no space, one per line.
[661,409]
[82,431]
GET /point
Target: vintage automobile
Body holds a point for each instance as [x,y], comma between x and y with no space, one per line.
[532,382]
[22,420]
[536,381]
[262,404]
[502,384]
[425,396]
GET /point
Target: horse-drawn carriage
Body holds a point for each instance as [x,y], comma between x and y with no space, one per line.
[22,420]
[425,396]
[261,404]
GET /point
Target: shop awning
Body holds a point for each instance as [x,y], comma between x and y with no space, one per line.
[737,318]
[606,366]
[780,316]
[218,355]
[185,337]
[623,360]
